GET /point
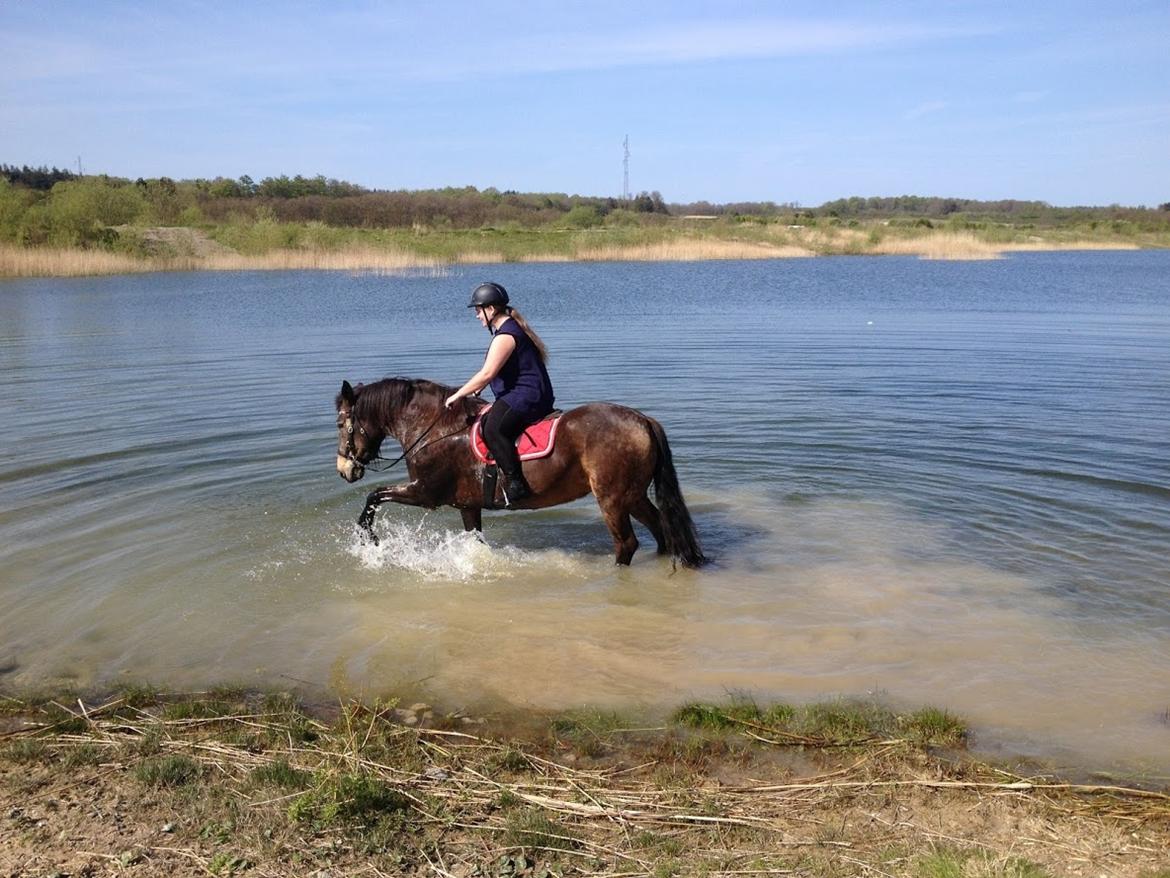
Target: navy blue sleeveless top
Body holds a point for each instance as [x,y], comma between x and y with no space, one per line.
[523,383]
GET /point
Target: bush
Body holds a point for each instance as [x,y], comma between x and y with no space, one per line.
[13,204]
[621,218]
[581,217]
[81,211]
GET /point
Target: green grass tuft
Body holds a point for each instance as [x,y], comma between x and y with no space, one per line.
[841,722]
[81,755]
[844,721]
[967,864]
[530,828]
[349,798]
[228,692]
[930,725]
[280,774]
[25,750]
[589,730]
[711,716]
[512,760]
[169,771]
[138,694]
[202,709]
[227,863]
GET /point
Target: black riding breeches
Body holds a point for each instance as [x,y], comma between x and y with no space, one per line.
[500,428]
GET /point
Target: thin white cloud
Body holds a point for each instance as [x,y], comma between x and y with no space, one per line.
[696,42]
[925,109]
[382,47]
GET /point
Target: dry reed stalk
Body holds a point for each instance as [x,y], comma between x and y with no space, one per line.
[477,257]
[941,245]
[354,259]
[689,250]
[547,257]
[1043,246]
[597,809]
[59,262]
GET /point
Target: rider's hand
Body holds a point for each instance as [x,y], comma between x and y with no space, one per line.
[451,400]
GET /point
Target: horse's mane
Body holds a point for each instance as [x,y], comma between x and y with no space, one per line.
[394,394]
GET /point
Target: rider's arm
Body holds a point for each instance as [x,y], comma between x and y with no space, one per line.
[499,350]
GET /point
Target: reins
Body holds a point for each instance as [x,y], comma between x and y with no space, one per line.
[413,445]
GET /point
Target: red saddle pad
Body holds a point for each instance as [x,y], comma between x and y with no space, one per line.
[536,440]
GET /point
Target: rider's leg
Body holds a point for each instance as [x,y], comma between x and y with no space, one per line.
[501,428]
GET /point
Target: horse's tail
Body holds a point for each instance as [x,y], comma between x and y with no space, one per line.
[677,527]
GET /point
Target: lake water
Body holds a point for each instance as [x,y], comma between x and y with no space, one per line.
[945,483]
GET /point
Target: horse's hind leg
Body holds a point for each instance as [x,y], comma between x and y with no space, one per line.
[617,519]
[647,513]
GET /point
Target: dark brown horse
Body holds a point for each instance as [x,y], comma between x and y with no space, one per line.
[613,452]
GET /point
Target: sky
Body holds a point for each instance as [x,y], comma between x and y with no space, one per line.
[1064,102]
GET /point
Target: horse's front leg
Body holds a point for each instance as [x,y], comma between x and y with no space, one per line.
[408,493]
[473,521]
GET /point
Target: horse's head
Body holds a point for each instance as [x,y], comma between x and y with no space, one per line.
[358,438]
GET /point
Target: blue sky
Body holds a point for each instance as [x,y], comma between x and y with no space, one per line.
[724,101]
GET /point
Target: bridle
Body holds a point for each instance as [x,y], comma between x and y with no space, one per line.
[351,424]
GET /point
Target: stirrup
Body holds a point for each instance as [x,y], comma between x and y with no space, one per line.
[491,474]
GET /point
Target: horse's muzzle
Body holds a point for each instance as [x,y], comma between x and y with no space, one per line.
[348,469]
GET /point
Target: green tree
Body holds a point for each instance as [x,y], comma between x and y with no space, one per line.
[13,204]
[582,217]
[81,212]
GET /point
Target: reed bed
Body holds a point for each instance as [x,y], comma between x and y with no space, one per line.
[479,257]
[1045,245]
[60,262]
[186,250]
[941,245]
[689,250]
[258,785]
[350,259]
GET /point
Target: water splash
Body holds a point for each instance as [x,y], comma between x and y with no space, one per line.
[448,555]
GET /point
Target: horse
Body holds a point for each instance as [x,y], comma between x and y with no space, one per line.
[608,450]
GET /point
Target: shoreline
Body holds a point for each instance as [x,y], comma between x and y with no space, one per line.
[194,251]
[233,782]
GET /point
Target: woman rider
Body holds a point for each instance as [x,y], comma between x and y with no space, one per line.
[514,367]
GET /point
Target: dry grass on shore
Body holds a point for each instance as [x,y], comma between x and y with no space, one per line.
[690,250]
[48,262]
[58,262]
[194,251]
[966,246]
[232,783]
[350,259]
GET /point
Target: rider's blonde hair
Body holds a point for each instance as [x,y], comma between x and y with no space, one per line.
[530,332]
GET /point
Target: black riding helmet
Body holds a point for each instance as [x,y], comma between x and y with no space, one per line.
[489,294]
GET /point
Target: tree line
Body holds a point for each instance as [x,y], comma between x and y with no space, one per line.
[54,206]
[50,206]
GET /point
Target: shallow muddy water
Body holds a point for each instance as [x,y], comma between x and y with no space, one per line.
[944,483]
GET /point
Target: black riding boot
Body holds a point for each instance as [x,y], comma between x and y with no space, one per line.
[516,487]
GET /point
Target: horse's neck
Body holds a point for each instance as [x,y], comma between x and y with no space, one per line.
[408,423]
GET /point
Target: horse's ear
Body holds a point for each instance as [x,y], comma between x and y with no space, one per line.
[347,394]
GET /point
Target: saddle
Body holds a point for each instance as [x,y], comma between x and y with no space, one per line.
[535,442]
